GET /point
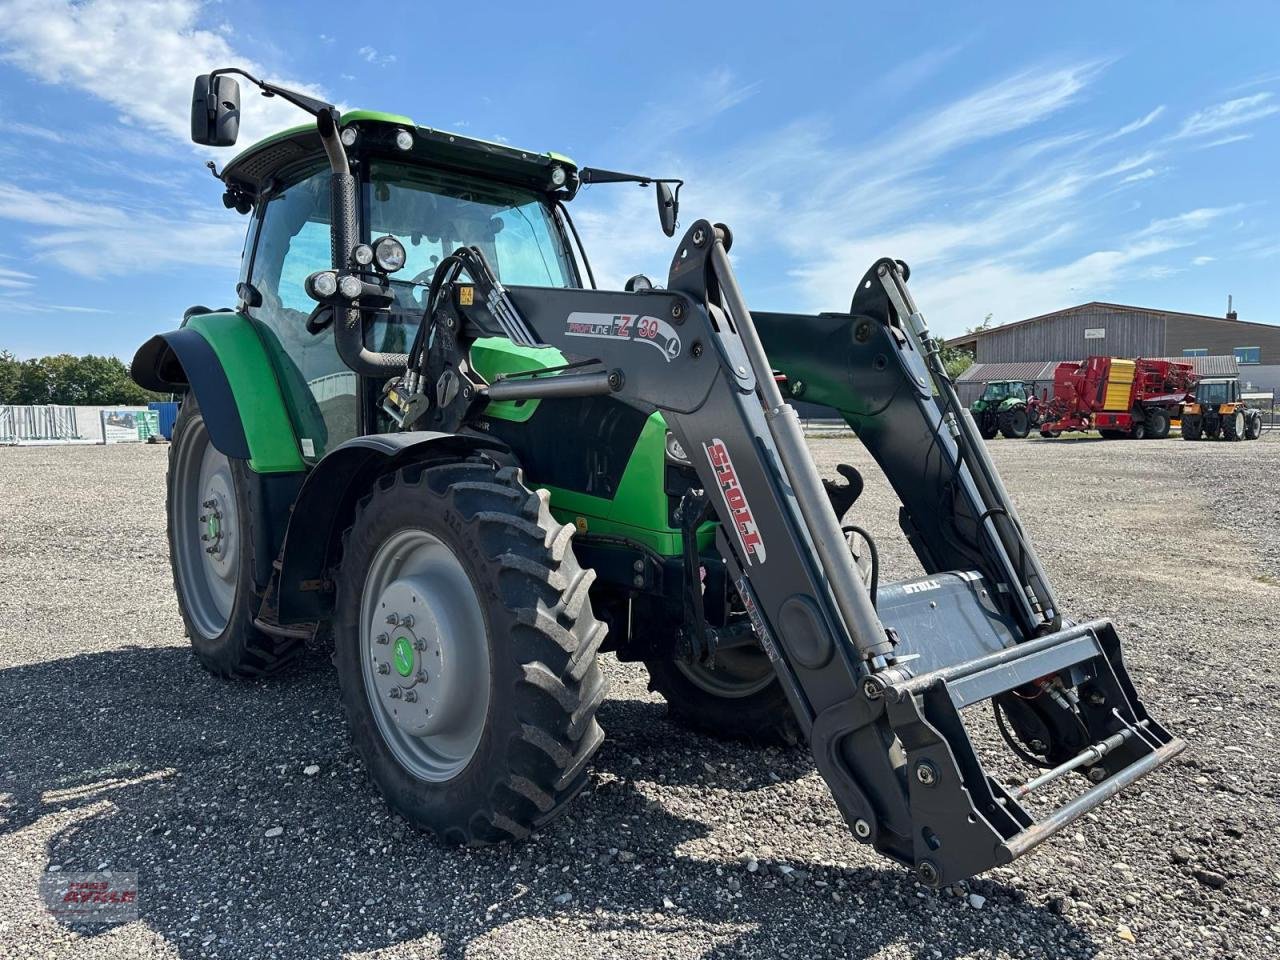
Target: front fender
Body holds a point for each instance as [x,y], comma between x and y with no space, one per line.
[223,360]
[326,505]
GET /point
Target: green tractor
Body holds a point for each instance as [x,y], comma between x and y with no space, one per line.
[1003,408]
[425,436]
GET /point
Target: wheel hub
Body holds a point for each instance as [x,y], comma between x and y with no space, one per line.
[423,663]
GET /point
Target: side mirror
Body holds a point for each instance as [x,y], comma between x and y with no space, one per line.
[668,207]
[215,111]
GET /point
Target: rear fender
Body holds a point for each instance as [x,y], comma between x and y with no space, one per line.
[326,506]
[221,357]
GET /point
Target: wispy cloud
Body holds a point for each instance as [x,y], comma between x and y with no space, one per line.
[371,55]
[1201,261]
[1228,115]
[1141,123]
[100,239]
[139,57]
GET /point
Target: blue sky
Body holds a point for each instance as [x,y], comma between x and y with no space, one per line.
[1022,157]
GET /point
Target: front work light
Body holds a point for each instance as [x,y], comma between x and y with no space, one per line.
[324,284]
[388,254]
[404,139]
[558,176]
[350,286]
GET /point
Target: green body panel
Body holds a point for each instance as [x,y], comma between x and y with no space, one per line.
[273,445]
[492,356]
[639,509]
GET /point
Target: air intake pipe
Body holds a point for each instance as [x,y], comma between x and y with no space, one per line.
[348,328]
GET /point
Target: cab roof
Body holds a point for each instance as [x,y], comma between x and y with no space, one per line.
[255,167]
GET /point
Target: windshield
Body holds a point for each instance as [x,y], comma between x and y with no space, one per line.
[1215,393]
[434,213]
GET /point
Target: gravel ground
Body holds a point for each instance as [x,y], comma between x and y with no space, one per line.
[255,833]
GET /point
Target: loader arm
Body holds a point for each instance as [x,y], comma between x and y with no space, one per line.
[881,706]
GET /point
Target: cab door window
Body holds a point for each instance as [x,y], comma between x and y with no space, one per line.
[293,242]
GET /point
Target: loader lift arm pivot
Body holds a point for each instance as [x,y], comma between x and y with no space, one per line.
[881,707]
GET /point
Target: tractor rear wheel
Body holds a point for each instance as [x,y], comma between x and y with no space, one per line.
[1192,428]
[466,649]
[1015,424]
[739,698]
[1157,424]
[211,552]
[1233,426]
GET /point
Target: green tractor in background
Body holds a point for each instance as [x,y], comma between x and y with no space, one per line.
[1004,408]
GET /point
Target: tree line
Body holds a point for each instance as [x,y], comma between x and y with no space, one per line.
[69,380]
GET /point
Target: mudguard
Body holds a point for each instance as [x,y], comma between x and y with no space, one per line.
[327,501]
[221,357]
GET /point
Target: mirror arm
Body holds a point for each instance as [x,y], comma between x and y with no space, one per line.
[301,100]
[594,175]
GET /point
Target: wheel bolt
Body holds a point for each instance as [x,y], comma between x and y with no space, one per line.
[395,693]
[422,676]
[392,619]
[410,696]
[420,645]
[407,622]
[383,638]
[383,669]
[210,504]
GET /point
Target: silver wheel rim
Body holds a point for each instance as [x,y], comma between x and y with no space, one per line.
[206,538]
[424,655]
[738,673]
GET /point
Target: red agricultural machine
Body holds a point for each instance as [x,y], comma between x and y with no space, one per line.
[1118,398]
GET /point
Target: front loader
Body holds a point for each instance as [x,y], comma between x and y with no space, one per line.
[479,479]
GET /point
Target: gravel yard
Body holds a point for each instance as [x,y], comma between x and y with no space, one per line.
[255,833]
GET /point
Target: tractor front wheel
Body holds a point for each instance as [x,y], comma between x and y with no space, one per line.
[1157,424]
[466,649]
[1253,426]
[1192,428]
[1233,426]
[1015,424]
[211,552]
[739,698]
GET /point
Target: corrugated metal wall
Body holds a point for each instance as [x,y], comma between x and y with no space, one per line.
[1125,334]
[1221,337]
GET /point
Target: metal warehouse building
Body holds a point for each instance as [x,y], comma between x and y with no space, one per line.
[1218,346]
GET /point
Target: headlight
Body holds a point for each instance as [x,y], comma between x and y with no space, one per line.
[675,452]
[404,139]
[558,176]
[363,254]
[324,284]
[349,137]
[388,254]
[350,286]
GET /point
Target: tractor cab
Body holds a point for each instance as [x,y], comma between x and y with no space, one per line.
[997,391]
[430,192]
[1217,391]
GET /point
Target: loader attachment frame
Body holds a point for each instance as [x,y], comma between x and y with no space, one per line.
[879,692]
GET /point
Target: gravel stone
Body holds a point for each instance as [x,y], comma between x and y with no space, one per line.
[117,749]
